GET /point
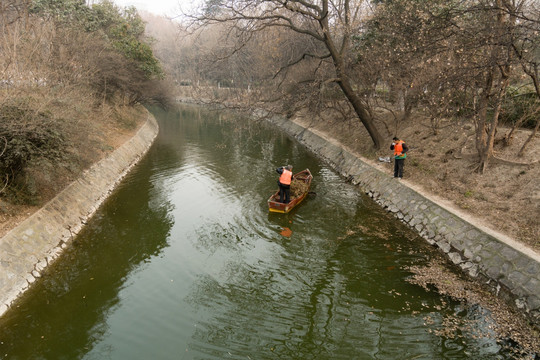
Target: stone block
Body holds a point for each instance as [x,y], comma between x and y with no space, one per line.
[493,272]
[433,218]
[41,265]
[473,271]
[445,246]
[473,234]
[533,302]
[468,254]
[455,258]
[518,279]
[30,278]
[507,283]
[533,286]
[509,253]
[458,244]
[532,268]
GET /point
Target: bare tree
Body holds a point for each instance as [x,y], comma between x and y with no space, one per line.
[527,49]
[329,24]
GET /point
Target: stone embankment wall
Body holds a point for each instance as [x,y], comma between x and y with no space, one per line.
[29,248]
[509,267]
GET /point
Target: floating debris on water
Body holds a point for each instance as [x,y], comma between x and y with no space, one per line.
[286,232]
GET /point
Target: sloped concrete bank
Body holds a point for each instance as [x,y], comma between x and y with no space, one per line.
[30,247]
[511,269]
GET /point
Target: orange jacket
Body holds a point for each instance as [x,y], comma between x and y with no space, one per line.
[398,150]
[286,177]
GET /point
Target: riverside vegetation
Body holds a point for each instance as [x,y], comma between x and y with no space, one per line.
[458,81]
[72,78]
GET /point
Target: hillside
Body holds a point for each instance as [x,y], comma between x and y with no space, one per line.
[103,131]
[505,198]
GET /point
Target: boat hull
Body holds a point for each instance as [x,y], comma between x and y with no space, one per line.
[273,202]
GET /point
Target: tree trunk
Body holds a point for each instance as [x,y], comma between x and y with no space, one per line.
[343,80]
[529,139]
[502,73]
[362,113]
[480,123]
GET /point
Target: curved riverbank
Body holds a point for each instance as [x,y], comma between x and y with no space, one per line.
[510,268]
[30,247]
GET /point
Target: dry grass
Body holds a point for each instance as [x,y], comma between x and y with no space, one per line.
[505,198]
[92,131]
[298,188]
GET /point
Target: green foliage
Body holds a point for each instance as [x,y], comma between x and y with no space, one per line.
[212,7]
[62,11]
[123,28]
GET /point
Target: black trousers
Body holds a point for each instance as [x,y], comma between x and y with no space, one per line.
[284,190]
[398,167]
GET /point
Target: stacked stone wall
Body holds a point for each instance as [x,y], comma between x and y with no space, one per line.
[30,247]
[510,268]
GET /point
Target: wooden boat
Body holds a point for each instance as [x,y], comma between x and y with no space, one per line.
[275,206]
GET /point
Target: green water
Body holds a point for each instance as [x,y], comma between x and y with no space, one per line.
[185,262]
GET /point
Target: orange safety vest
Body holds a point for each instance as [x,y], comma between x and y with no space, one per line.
[398,149]
[286,177]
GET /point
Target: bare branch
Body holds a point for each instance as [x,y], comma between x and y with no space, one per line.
[297,61]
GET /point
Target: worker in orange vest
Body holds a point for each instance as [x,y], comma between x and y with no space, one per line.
[284,183]
[400,153]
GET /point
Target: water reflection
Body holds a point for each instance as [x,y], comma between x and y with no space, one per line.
[65,313]
[185,262]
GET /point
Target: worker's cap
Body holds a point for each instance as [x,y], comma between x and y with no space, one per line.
[288,167]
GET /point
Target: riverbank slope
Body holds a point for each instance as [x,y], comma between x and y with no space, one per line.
[36,239]
[441,163]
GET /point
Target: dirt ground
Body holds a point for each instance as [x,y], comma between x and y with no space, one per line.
[106,137]
[506,198]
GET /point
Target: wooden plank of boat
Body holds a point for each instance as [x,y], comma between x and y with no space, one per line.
[273,202]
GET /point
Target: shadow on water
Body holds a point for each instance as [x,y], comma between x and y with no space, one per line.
[63,314]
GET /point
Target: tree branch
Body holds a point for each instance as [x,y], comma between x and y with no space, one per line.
[302,57]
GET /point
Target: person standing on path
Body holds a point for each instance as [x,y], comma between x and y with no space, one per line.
[284,183]
[400,153]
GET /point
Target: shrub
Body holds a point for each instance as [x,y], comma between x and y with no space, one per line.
[26,136]
[520,107]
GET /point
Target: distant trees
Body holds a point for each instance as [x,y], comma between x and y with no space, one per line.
[112,50]
[325,25]
[440,58]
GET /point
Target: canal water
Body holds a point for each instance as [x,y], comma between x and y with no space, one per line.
[184,261]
